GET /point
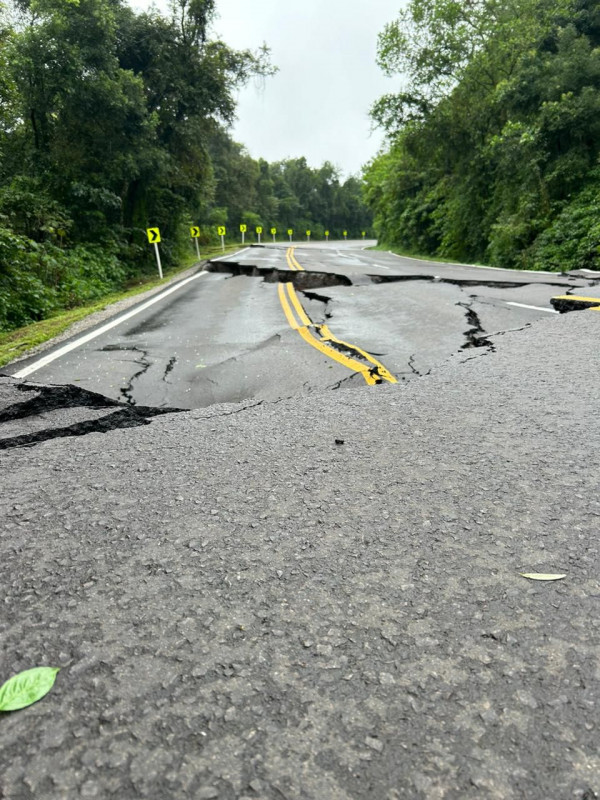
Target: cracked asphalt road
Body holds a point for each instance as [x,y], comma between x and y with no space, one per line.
[224,336]
[312,598]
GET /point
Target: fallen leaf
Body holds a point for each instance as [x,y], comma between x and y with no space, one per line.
[26,688]
[541,576]
[200,366]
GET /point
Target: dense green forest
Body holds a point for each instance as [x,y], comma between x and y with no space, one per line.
[112,121]
[494,140]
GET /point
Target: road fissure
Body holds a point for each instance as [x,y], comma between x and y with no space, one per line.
[348,355]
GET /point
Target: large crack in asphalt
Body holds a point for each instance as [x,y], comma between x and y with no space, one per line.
[46,399]
[476,334]
[144,362]
[169,368]
[51,398]
[55,398]
[302,279]
[312,279]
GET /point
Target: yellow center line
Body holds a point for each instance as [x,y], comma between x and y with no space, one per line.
[289,314]
[327,336]
[290,303]
[304,319]
[350,363]
[291,260]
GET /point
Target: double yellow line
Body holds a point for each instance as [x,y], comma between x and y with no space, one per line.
[300,321]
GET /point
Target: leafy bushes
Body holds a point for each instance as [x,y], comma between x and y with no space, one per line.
[495,143]
[37,279]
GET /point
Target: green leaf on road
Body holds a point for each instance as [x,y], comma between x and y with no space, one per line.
[26,688]
[541,576]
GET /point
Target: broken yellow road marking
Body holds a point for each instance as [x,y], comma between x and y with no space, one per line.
[299,321]
[308,337]
[577,303]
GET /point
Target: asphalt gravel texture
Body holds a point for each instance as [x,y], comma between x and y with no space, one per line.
[313,598]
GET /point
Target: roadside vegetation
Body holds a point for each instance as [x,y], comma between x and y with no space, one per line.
[19,341]
[494,139]
[112,121]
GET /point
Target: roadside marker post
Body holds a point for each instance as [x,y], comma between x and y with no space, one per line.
[326,236]
[345,235]
[290,233]
[195,232]
[153,235]
[364,233]
[258,232]
[273,233]
[221,230]
[308,236]
[243,229]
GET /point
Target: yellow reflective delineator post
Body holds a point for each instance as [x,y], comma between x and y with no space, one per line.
[290,233]
[308,236]
[195,233]
[273,232]
[345,235]
[364,233]
[153,235]
[326,236]
[258,232]
[243,229]
[221,230]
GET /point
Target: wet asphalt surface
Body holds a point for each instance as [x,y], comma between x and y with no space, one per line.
[224,337]
[312,597]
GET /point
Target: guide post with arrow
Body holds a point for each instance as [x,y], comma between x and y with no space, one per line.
[154,238]
[221,230]
[195,232]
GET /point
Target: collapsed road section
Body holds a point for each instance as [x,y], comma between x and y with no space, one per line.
[275,322]
[319,598]
[31,413]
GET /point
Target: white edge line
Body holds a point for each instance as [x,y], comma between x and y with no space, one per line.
[231,255]
[535,308]
[476,266]
[43,362]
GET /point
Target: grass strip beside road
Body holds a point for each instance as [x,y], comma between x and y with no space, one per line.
[16,343]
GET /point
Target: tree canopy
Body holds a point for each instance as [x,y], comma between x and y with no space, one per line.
[494,138]
[112,121]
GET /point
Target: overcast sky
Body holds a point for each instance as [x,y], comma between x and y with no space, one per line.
[317,105]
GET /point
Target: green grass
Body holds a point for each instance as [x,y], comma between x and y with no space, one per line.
[16,343]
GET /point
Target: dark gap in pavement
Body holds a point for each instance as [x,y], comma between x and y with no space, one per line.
[127,417]
[320,298]
[476,335]
[56,398]
[301,279]
[170,366]
[567,305]
[127,390]
[51,398]
[308,279]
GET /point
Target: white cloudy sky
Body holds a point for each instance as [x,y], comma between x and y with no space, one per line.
[317,105]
